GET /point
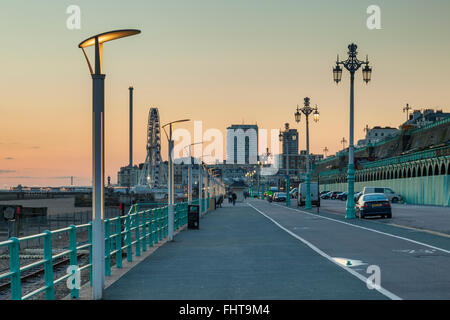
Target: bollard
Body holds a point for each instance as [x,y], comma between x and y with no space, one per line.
[48,266]
[14,267]
[73,256]
[118,242]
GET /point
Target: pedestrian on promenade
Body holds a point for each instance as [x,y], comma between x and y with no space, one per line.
[234,198]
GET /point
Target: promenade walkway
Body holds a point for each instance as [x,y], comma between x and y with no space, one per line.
[237,254]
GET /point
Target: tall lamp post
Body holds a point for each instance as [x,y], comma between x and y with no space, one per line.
[98,153]
[307,110]
[352,64]
[170,182]
[285,136]
[190,172]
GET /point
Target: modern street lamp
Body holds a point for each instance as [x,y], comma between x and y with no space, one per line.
[170,182]
[285,136]
[352,64]
[200,183]
[98,153]
[190,172]
[307,110]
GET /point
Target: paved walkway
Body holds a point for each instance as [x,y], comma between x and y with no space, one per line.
[238,254]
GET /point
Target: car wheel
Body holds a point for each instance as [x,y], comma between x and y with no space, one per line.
[394,200]
[389,216]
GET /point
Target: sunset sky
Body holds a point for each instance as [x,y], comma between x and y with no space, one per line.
[222,62]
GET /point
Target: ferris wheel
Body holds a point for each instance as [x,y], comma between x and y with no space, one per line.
[151,173]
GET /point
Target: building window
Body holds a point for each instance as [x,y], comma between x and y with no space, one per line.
[247,150]
[235,150]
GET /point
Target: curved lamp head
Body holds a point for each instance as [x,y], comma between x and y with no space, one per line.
[98,41]
[170,124]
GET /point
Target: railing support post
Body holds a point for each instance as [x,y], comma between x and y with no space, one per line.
[128,238]
[107,248]
[118,242]
[90,252]
[144,230]
[14,266]
[73,258]
[137,235]
[48,266]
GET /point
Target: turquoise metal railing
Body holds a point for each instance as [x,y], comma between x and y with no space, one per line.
[426,154]
[431,125]
[139,229]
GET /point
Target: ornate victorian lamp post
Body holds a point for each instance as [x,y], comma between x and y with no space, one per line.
[352,64]
[307,110]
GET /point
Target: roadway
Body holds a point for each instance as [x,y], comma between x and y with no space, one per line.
[432,219]
[261,250]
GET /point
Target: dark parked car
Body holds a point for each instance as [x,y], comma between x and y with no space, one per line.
[279,197]
[373,204]
[342,196]
[356,196]
[326,195]
[334,194]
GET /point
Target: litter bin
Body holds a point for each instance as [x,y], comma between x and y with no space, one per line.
[193,216]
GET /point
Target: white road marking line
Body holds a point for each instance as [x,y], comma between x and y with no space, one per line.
[380,289]
[373,230]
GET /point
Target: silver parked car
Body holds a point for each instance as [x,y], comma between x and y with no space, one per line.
[389,193]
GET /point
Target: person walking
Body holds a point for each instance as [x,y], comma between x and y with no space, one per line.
[233,196]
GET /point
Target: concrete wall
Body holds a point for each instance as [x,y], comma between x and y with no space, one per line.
[430,190]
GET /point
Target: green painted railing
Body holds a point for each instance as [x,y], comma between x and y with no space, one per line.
[138,230]
[431,125]
[426,154]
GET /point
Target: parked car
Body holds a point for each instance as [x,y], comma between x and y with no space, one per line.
[326,195]
[389,193]
[314,192]
[373,204]
[342,196]
[323,192]
[334,194]
[279,197]
[356,196]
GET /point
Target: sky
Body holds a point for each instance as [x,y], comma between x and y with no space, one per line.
[219,62]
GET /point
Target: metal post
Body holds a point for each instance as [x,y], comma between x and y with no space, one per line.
[190,177]
[107,248]
[73,257]
[48,266]
[119,242]
[200,188]
[98,177]
[170,187]
[288,196]
[308,177]
[131,126]
[350,210]
[14,267]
